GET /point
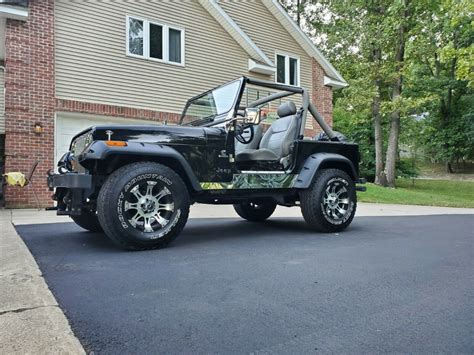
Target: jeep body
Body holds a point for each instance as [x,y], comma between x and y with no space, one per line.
[204,151]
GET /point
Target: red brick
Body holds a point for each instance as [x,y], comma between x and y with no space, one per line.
[321,97]
[29,98]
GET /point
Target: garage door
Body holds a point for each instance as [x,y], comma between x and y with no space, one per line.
[68,125]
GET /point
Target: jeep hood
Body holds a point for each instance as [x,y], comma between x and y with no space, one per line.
[154,134]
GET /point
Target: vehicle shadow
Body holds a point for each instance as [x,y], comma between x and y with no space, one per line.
[210,230]
[217,230]
[197,231]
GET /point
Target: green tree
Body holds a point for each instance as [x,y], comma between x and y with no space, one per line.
[403,59]
[440,79]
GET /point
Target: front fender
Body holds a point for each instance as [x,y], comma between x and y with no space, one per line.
[317,161]
[99,150]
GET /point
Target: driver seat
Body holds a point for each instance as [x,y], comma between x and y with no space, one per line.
[277,140]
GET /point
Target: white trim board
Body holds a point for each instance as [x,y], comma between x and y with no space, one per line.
[13,12]
[261,68]
[235,31]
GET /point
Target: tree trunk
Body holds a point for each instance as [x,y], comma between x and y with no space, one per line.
[449,168]
[298,13]
[378,135]
[392,149]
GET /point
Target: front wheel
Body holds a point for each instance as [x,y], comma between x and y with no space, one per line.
[143,206]
[88,220]
[330,203]
[255,211]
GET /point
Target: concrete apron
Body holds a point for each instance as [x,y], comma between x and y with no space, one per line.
[31,321]
[32,216]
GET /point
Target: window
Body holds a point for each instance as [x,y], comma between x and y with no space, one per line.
[155,41]
[288,70]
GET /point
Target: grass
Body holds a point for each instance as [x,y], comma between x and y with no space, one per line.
[423,192]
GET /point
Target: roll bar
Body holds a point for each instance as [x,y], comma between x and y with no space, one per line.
[290,90]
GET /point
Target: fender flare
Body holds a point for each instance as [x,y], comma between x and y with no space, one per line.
[100,151]
[313,164]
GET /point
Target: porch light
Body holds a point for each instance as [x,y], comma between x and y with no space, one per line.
[38,128]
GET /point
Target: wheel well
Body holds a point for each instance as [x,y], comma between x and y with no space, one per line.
[344,166]
[113,162]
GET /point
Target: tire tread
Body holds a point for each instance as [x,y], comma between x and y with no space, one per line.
[107,224]
[310,202]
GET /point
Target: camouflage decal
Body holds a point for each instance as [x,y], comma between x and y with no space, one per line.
[253,181]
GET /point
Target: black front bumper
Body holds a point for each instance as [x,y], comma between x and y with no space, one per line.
[72,189]
[70,181]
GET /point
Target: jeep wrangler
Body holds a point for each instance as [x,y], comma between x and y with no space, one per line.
[231,146]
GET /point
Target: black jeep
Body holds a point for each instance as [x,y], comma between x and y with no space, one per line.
[136,183]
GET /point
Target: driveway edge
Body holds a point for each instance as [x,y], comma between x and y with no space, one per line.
[31,321]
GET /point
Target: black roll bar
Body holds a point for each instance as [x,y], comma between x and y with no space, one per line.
[307,104]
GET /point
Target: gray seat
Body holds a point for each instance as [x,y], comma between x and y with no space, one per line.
[277,140]
[254,143]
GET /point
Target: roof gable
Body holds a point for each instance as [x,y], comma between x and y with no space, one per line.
[303,40]
[258,59]
[235,31]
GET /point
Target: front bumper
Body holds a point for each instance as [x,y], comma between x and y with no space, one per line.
[70,181]
[71,191]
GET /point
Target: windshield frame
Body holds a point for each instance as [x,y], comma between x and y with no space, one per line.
[218,118]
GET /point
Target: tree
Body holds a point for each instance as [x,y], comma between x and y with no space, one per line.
[381,47]
[441,78]
[367,38]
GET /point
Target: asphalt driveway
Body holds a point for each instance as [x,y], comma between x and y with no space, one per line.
[387,284]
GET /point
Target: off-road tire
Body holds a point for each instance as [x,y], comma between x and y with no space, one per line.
[112,210]
[312,201]
[88,220]
[255,211]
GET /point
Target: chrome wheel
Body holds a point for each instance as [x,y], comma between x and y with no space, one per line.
[336,202]
[149,206]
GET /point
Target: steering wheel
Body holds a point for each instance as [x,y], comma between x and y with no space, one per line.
[240,129]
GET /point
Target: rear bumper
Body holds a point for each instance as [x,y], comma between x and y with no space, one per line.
[361,181]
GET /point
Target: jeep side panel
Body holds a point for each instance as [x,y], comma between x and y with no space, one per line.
[314,155]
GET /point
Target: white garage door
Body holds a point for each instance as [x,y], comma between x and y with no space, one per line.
[68,125]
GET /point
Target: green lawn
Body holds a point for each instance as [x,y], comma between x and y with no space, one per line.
[423,192]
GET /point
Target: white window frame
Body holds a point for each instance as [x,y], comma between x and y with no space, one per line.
[287,68]
[146,40]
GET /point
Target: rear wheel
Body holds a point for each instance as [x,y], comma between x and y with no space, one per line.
[88,220]
[255,211]
[329,204]
[143,206]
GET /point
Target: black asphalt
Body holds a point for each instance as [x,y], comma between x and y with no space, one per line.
[387,284]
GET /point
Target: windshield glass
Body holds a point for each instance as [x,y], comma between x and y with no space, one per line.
[207,107]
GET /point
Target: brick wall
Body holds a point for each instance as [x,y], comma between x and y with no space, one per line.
[29,99]
[321,96]
[115,111]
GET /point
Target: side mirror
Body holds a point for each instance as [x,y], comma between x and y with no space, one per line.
[252,115]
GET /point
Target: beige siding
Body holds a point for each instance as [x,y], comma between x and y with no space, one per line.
[268,33]
[92,65]
[271,37]
[2,101]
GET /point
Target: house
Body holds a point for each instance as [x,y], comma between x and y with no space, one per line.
[72,64]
